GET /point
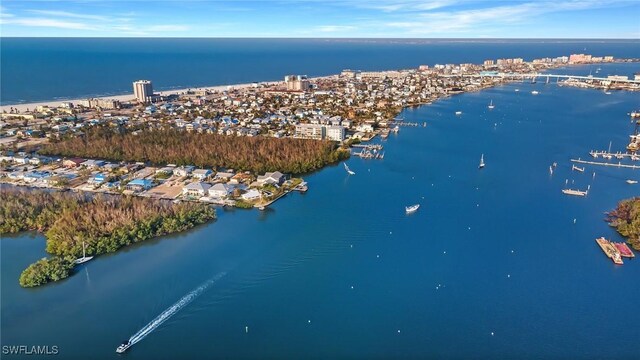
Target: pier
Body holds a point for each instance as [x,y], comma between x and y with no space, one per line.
[609,155]
[619,164]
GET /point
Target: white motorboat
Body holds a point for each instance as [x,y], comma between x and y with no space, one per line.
[123,347]
[412,208]
[348,170]
[481,165]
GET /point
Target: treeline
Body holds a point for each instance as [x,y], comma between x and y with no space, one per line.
[626,219]
[169,146]
[104,223]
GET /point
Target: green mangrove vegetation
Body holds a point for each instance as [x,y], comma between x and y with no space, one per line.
[626,219]
[257,154]
[104,223]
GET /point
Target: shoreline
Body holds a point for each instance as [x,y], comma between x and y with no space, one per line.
[22,107]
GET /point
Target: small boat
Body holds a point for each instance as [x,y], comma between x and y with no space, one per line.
[535,92]
[261,208]
[123,347]
[412,208]
[607,92]
[632,181]
[516,90]
[576,192]
[481,165]
[580,169]
[458,112]
[550,169]
[348,170]
[84,257]
[491,106]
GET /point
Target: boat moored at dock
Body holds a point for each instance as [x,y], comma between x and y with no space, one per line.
[610,250]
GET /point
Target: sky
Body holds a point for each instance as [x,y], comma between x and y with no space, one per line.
[322,18]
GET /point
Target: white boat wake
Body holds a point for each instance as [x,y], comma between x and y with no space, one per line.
[165,315]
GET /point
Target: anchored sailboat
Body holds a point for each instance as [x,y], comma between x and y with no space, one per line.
[348,170]
[84,257]
[491,106]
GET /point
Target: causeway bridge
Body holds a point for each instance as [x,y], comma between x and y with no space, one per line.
[546,76]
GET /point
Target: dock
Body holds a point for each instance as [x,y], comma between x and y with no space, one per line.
[610,250]
[609,155]
[619,164]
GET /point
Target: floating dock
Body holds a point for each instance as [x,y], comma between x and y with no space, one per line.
[610,250]
[620,165]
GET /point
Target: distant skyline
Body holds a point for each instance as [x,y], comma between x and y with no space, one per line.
[585,19]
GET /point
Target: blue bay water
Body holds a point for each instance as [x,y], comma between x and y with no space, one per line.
[491,251]
[35,69]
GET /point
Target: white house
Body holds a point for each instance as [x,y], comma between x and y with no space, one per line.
[183,170]
[276,178]
[251,195]
[220,190]
[201,174]
[198,189]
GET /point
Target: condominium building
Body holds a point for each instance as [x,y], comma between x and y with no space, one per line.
[143,90]
[297,82]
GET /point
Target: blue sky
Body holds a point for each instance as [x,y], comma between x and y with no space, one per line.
[316,18]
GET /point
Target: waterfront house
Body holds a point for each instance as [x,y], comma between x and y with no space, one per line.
[197,189]
[139,185]
[201,174]
[251,195]
[273,178]
[220,190]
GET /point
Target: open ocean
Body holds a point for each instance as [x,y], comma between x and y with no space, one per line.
[37,69]
[491,266]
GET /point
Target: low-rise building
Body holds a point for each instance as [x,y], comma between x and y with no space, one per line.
[196,189]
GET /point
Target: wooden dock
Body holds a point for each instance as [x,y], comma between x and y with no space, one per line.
[619,164]
[610,250]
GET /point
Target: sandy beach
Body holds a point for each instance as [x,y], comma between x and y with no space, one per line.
[126,97]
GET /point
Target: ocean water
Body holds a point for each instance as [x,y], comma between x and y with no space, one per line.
[36,69]
[491,266]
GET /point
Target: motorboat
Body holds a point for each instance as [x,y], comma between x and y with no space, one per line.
[124,346]
[412,208]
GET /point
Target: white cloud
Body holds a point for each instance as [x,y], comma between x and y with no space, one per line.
[334,28]
[56,13]
[44,22]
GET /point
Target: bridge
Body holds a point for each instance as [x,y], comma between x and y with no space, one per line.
[547,76]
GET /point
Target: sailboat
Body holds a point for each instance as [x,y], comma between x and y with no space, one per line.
[348,170]
[481,162]
[491,106]
[84,257]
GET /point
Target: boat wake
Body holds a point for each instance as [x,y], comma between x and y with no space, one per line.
[165,315]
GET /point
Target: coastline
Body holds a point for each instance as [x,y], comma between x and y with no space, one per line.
[22,107]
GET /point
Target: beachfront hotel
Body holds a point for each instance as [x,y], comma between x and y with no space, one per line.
[143,90]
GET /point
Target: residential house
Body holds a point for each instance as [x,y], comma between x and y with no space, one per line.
[201,174]
[251,195]
[183,170]
[139,185]
[72,162]
[198,189]
[273,178]
[220,190]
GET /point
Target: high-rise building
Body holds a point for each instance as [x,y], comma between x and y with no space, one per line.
[143,90]
[297,82]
